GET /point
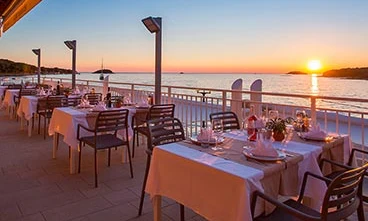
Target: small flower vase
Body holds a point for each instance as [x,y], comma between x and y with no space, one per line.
[278,136]
[119,104]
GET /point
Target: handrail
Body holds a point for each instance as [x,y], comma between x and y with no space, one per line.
[305,96]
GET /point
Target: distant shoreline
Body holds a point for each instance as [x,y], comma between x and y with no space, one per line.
[5,75]
[344,73]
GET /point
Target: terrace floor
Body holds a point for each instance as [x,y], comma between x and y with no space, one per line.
[35,187]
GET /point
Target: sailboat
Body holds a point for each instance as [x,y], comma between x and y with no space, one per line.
[102,69]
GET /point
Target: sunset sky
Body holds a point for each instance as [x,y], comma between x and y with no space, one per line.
[198,35]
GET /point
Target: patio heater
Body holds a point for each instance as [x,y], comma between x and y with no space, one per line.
[203,92]
[72,45]
[38,53]
[154,25]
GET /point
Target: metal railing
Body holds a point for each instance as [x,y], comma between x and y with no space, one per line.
[193,108]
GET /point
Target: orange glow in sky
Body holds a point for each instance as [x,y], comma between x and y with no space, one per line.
[198,36]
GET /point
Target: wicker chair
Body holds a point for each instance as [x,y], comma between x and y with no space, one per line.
[341,199]
[108,123]
[161,131]
[229,120]
[158,111]
[349,165]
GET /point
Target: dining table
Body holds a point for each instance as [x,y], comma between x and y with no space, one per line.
[26,110]
[64,121]
[8,101]
[218,184]
[2,90]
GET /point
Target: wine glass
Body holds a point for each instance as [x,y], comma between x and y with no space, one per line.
[273,114]
[217,125]
[300,114]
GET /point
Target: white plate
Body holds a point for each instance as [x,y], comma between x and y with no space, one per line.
[196,141]
[305,136]
[281,156]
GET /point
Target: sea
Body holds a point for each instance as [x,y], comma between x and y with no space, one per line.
[276,83]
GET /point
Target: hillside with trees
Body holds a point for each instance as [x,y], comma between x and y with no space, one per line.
[350,73]
[11,68]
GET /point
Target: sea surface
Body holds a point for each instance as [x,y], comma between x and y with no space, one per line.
[278,83]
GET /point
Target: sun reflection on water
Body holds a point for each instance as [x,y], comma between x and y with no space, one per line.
[314,86]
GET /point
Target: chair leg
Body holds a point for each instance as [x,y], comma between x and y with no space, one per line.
[109,158]
[144,185]
[361,211]
[39,124]
[80,156]
[182,212]
[130,161]
[96,185]
[33,116]
[134,132]
[44,128]
[137,139]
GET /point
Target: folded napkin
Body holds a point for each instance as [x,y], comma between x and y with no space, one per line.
[84,103]
[264,149]
[99,107]
[316,133]
[206,135]
[42,92]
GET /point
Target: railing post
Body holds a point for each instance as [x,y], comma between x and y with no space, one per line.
[224,101]
[169,95]
[132,93]
[313,111]
[87,84]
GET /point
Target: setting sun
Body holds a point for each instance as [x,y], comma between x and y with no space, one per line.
[314,65]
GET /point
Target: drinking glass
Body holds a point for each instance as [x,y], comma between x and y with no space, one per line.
[300,114]
[273,114]
[217,125]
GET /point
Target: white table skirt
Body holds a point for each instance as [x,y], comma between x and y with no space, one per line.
[220,189]
[216,188]
[65,120]
[2,89]
[27,106]
[9,97]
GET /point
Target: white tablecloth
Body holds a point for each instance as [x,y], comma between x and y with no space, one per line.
[315,188]
[2,89]
[65,120]
[27,106]
[216,188]
[9,97]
